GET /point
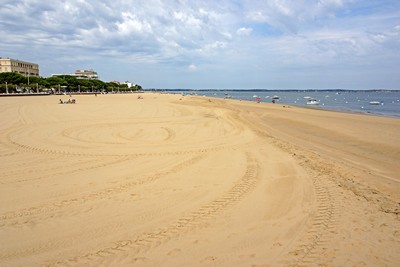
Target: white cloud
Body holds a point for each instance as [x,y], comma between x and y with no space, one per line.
[243,31]
[131,24]
[192,67]
[187,19]
[217,45]
[217,34]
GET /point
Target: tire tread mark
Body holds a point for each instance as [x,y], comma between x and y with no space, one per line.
[19,217]
[194,220]
[310,246]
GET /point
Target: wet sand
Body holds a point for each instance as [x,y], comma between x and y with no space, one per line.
[193,181]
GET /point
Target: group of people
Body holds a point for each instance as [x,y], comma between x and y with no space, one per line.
[70,101]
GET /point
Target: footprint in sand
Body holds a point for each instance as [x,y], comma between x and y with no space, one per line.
[209,259]
[140,259]
[277,245]
[174,252]
[247,256]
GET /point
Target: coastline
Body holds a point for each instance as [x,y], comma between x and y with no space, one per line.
[337,100]
[318,107]
[172,180]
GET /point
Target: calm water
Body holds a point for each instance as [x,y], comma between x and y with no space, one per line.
[349,101]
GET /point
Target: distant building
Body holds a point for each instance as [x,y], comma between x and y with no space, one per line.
[86,74]
[81,74]
[17,66]
[129,84]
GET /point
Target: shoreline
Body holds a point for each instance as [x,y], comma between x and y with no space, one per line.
[342,110]
[345,111]
[178,181]
[291,97]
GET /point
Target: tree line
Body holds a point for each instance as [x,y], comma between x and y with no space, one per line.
[15,82]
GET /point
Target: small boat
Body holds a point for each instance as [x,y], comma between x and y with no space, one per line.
[307,97]
[312,102]
[375,103]
[275,97]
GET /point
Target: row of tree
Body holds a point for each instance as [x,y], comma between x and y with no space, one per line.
[14,82]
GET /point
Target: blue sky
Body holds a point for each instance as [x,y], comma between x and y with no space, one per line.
[276,44]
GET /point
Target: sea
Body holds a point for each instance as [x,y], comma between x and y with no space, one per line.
[384,102]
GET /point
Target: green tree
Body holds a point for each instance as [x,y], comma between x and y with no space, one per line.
[137,87]
[12,78]
[36,80]
[71,83]
[55,81]
[123,87]
[71,80]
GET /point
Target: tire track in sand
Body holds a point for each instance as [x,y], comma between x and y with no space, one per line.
[37,150]
[31,214]
[83,165]
[309,248]
[198,218]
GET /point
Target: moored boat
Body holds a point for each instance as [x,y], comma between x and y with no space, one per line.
[312,102]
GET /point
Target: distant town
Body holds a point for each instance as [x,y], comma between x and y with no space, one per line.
[22,77]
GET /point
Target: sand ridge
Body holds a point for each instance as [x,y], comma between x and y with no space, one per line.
[192,181]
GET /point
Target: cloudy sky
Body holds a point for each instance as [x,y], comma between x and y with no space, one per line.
[271,44]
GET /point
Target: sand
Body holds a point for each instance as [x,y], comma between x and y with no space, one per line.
[191,181]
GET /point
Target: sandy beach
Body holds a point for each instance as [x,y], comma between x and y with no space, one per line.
[169,180]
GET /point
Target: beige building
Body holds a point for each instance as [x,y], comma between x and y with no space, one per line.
[86,74]
[18,66]
[81,74]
